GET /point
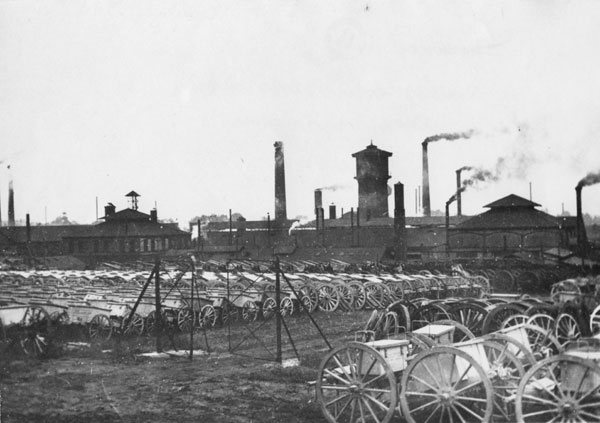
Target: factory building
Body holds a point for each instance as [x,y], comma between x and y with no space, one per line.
[511,226]
[127,232]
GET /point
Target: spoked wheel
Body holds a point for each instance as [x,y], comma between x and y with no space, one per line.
[391,324]
[563,388]
[515,319]
[286,306]
[566,329]
[309,298]
[445,384]
[469,314]
[498,313]
[346,295]
[359,295]
[208,316]
[328,298]
[542,320]
[429,313]
[269,306]
[36,332]
[403,315]
[520,350]
[356,384]
[595,321]
[100,328]
[184,320]
[135,326]
[249,311]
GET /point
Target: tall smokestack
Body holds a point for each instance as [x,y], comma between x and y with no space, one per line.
[318,199]
[581,238]
[11,202]
[280,205]
[458,193]
[400,220]
[426,199]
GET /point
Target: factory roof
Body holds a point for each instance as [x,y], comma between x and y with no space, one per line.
[511,212]
[372,149]
[127,215]
[512,200]
[130,229]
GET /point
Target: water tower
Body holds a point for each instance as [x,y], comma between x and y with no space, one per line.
[372,174]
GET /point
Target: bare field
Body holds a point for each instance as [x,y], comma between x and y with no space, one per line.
[231,381]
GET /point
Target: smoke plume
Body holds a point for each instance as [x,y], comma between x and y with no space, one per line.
[478,176]
[333,187]
[450,137]
[589,179]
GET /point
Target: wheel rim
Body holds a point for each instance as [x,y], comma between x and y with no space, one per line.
[208,316]
[567,329]
[559,389]
[445,384]
[356,384]
[100,328]
[268,308]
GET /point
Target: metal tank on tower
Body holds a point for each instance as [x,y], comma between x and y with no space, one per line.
[372,176]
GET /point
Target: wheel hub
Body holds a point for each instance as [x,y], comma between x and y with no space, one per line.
[446,397]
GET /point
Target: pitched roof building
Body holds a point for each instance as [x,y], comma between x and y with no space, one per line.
[511,225]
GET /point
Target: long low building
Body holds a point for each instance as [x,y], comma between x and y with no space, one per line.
[127,232]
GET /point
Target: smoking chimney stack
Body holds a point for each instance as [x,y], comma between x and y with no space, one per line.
[280,205]
[11,203]
[426,199]
[581,237]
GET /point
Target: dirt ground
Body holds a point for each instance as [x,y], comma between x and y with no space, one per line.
[234,379]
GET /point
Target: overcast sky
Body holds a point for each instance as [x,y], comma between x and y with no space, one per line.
[182,101]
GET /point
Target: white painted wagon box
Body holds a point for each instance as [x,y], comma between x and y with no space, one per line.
[574,378]
[519,334]
[476,350]
[440,334]
[393,351]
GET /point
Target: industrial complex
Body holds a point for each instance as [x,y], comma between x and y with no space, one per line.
[374,231]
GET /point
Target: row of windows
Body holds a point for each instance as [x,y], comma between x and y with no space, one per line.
[132,245]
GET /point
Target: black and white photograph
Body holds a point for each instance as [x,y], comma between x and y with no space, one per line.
[299,211]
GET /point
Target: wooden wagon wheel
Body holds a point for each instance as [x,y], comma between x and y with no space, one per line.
[346,296]
[356,384]
[428,313]
[566,329]
[559,389]
[328,298]
[207,318]
[515,319]
[35,334]
[359,295]
[184,319]
[595,321]
[403,314]
[542,320]
[100,328]
[249,311]
[269,307]
[309,298]
[445,384]
[498,313]
[135,326]
[469,314]
[286,306]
